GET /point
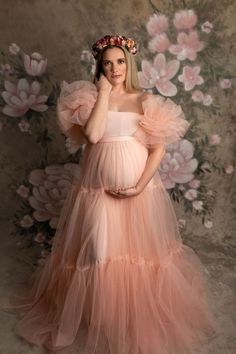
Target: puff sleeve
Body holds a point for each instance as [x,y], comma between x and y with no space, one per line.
[163,122]
[75,104]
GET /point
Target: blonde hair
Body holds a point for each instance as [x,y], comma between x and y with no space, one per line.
[131,80]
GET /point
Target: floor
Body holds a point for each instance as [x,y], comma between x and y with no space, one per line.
[219,260]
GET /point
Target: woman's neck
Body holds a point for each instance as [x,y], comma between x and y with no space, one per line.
[118,89]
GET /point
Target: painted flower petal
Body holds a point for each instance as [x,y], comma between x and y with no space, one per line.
[166,88]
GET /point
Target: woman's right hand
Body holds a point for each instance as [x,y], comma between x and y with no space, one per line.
[103,84]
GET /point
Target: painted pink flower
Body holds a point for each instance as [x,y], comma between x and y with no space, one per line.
[197,96]
[194,183]
[177,166]
[23,191]
[229,169]
[214,139]
[181,223]
[6,70]
[159,75]
[190,77]
[185,19]
[26,221]
[208,224]
[24,126]
[87,57]
[71,145]
[34,64]
[40,237]
[45,253]
[51,186]
[225,84]
[181,187]
[207,27]
[160,43]
[206,166]
[14,49]
[207,100]
[191,194]
[188,46]
[157,24]
[22,97]
[210,193]
[197,204]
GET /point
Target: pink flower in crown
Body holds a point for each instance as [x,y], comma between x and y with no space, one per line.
[214,139]
[22,97]
[190,77]
[207,27]
[157,24]
[187,47]
[185,19]
[225,84]
[34,64]
[160,43]
[178,164]
[50,188]
[159,75]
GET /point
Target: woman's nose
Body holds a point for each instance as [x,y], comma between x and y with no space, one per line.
[113,68]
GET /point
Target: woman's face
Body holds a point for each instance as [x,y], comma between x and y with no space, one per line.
[114,65]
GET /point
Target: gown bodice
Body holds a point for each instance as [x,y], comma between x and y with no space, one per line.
[121,124]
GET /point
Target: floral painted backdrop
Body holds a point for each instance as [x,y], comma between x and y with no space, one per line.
[185,54]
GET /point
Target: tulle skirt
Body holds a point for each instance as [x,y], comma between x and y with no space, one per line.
[119,280]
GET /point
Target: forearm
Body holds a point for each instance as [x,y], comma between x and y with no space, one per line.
[96,123]
[152,163]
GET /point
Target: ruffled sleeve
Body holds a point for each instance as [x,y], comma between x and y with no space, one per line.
[163,122]
[75,104]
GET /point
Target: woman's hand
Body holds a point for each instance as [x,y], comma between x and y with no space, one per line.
[103,84]
[124,192]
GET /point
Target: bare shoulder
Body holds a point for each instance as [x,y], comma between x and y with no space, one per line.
[144,95]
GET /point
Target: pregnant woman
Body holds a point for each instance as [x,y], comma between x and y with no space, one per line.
[119,280]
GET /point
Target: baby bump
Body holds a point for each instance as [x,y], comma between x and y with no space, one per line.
[115,164]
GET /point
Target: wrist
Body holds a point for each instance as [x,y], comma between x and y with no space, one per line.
[139,187]
[104,92]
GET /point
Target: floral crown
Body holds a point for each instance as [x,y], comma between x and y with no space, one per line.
[108,40]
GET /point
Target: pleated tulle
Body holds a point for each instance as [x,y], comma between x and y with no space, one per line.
[119,279]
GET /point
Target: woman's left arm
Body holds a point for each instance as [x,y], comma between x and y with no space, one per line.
[154,158]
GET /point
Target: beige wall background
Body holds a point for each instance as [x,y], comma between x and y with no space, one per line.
[61,30]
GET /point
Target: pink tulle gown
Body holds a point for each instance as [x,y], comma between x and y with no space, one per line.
[119,279]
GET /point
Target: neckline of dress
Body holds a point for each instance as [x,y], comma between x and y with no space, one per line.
[140,114]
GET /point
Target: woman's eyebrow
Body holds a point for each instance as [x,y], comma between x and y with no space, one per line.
[116,59]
